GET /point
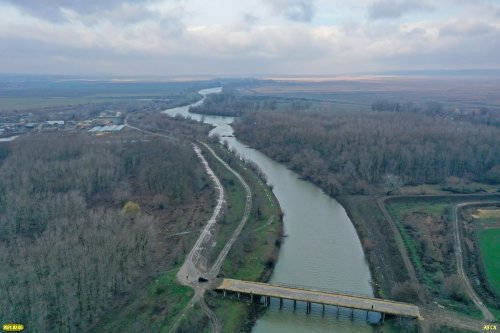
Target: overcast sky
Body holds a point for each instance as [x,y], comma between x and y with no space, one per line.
[246,37]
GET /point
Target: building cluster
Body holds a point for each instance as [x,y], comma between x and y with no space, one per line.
[106,122]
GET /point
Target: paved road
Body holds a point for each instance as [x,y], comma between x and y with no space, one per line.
[321,297]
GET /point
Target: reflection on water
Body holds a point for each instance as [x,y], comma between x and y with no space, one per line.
[322,249]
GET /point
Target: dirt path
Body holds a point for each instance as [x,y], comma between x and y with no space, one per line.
[399,240]
[435,315]
[194,265]
[248,206]
[487,315]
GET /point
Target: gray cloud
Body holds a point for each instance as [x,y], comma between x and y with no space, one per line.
[295,10]
[465,29]
[387,9]
[51,9]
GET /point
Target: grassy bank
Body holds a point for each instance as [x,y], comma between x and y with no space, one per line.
[253,255]
[379,245]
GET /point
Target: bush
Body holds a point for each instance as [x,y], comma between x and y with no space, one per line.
[409,292]
[453,288]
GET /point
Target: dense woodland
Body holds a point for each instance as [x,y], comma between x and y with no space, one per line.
[228,104]
[232,104]
[482,115]
[73,236]
[357,152]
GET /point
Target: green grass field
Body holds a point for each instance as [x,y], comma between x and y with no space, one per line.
[489,243]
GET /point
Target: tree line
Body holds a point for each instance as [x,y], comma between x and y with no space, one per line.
[358,152]
[231,104]
[481,115]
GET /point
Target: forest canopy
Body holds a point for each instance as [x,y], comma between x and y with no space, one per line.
[72,235]
[353,152]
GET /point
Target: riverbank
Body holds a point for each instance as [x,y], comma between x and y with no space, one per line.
[429,245]
[384,258]
[255,253]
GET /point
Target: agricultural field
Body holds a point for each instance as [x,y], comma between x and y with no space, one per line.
[358,92]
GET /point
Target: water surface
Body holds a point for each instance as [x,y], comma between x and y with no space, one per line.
[321,250]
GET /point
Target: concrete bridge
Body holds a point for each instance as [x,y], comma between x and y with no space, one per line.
[256,290]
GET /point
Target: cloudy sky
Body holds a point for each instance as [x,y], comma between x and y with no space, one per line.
[247,37]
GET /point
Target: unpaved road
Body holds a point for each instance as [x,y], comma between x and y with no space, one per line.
[195,264]
[248,206]
[487,315]
[399,240]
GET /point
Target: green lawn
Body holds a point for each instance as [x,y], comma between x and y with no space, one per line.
[489,243]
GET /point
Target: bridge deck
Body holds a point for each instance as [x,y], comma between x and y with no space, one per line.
[320,297]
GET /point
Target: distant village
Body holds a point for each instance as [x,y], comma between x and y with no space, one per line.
[107,121]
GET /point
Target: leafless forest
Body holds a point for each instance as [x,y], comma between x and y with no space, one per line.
[70,243]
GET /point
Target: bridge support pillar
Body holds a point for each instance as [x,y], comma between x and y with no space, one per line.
[383,317]
[268,300]
[338,310]
[323,305]
[294,305]
[308,307]
[352,313]
[251,298]
[281,303]
[224,293]
[238,295]
[367,312]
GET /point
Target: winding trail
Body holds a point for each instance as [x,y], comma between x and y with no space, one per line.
[190,269]
[194,265]
[399,240]
[248,207]
[487,315]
